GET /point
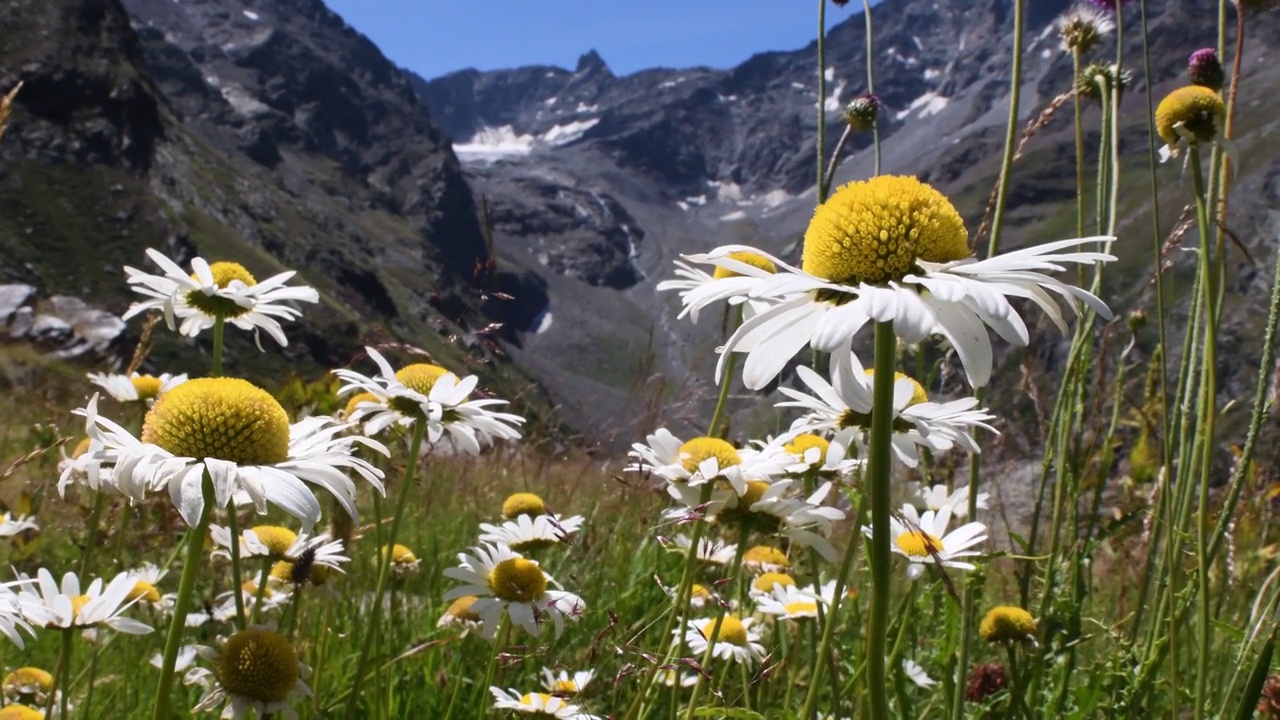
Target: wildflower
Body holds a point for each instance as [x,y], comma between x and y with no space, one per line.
[1191,114]
[765,583]
[564,683]
[924,540]
[670,678]
[256,673]
[541,705]
[792,603]
[699,288]
[135,387]
[224,605]
[460,614]
[816,454]
[862,111]
[845,403]
[1098,79]
[310,560]
[221,290]
[1082,27]
[186,658]
[20,610]
[502,580]
[241,437]
[145,591]
[65,606]
[893,249]
[527,533]
[1008,624]
[403,561]
[710,551]
[700,461]
[21,712]
[699,596]
[1204,68]
[81,468]
[523,503]
[731,638]
[936,497]
[258,541]
[10,525]
[916,674]
[985,680]
[763,558]
[427,393]
[27,685]
[767,508]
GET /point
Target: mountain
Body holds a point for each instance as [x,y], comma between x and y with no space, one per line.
[551,200]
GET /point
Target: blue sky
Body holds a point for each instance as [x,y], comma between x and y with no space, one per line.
[433,37]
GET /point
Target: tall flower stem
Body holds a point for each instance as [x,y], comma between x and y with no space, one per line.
[236,586]
[186,589]
[822,98]
[384,568]
[871,77]
[219,327]
[91,535]
[61,683]
[726,380]
[717,625]
[879,459]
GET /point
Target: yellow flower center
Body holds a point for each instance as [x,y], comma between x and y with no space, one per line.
[748,258]
[918,543]
[223,274]
[258,664]
[82,447]
[801,607]
[850,418]
[523,503]
[28,680]
[143,591]
[276,538]
[223,418]
[876,230]
[765,582]
[566,687]
[77,604]
[538,700]
[700,592]
[755,490]
[1197,108]
[694,452]
[730,630]
[460,609]
[249,587]
[419,377]
[356,400]
[1007,623]
[517,580]
[401,555]
[762,555]
[20,712]
[147,386]
[801,444]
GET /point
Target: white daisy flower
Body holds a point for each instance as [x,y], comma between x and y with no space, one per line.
[10,525]
[135,387]
[937,497]
[1191,115]
[542,705]
[428,393]
[765,559]
[711,551]
[812,453]
[82,467]
[224,604]
[669,677]
[64,606]
[894,249]
[258,541]
[32,686]
[186,658]
[924,540]
[789,602]
[917,675]
[242,437]
[701,460]
[846,402]
[223,289]
[734,639]
[403,561]
[729,282]
[527,533]
[256,674]
[146,582]
[503,580]
[769,508]
[461,616]
[16,608]
[765,583]
[566,683]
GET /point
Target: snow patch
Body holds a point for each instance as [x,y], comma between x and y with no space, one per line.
[797,86]
[916,40]
[832,103]
[585,108]
[735,215]
[671,83]
[730,193]
[930,103]
[541,322]
[242,102]
[561,134]
[696,200]
[495,143]
[682,205]
[251,15]
[551,100]
[772,199]
[726,98]
[931,74]
[829,74]
[1046,53]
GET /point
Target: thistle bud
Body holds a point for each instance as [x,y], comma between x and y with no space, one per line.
[1205,69]
[984,681]
[861,112]
[1097,79]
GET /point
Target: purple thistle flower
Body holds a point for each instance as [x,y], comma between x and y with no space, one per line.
[1205,69]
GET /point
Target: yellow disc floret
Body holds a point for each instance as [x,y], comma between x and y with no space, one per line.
[147,386]
[356,400]
[81,448]
[876,230]
[747,258]
[730,630]
[694,452]
[461,611]
[77,604]
[801,444]
[918,543]
[223,418]
[143,591]
[1007,623]
[401,555]
[224,273]
[765,557]
[565,687]
[801,608]
[700,593]
[517,580]
[258,664]
[28,681]
[20,712]
[765,582]
[277,539]
[536,700]
[420,377]
[523,503]
[1196,108]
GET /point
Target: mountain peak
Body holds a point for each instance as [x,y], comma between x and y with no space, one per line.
[591,62]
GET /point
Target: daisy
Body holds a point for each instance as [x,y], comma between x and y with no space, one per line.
[937,497]
[135,387]
[29,686]
[241,436]
[222,290]
[924,540]
[186,658]
[846,402]
[727,282]
[789,603]
[431,394]
[710,551]
[403,561]
[765,584]
[531,505]
[146,580]
[256,674]
[732,638]
[64,606]
[768,508]
[566,683]
[224,605]
[1189,116]
[542,705]
[10,526]
[765,559]
[701,460]
[258,541]
[893,249]
[814,454]
[916,674]
[527,533]
[502,580]
[82,467]
[460,615]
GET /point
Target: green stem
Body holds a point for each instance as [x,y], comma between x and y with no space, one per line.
[384,566]
[219,326]
[186,589]
[822,98]
[91,538]
[1011,132]
[879,459]
[871,77]
[234,530]
[500,640]
[726,380]
[259,590]
[60,687]
[716,626]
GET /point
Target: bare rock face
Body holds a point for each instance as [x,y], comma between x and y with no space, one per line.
[63,326]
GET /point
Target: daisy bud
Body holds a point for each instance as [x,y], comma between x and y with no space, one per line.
[861,112]
[984,681]
[1204,69]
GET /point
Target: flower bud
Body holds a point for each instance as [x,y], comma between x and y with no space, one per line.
[861,112]
[1205,69]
